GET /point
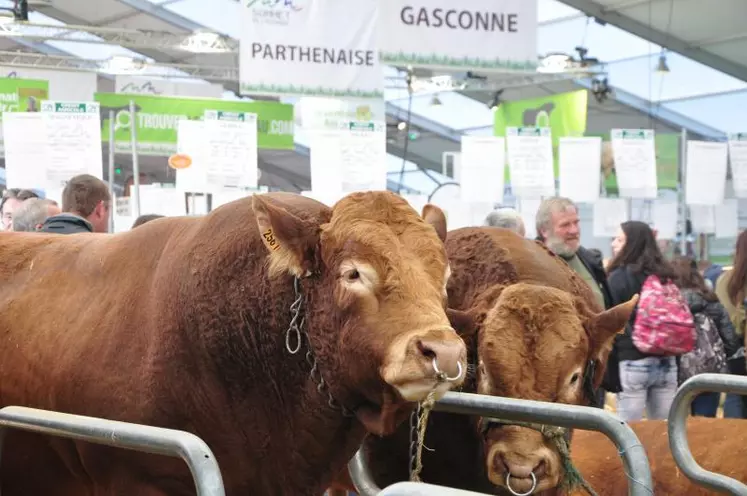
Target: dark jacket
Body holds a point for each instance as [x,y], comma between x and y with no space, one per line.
[66,224]
[718,315]
[595,267]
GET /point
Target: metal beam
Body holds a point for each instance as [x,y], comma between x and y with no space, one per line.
[660,112]
[665,40]
[424,123]
[165,15]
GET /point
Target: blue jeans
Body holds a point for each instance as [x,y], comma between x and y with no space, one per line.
[705,404]
[733,406]
[649,383]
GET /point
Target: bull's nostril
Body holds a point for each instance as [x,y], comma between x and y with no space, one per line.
[426,350]
[540,469]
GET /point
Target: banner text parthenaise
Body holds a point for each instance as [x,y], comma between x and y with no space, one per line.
[316,55]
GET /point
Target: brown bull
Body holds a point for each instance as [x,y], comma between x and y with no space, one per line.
[717,445]
[187,323]
[539,335]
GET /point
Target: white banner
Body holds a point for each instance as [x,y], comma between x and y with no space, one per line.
[475,35]
[311,47]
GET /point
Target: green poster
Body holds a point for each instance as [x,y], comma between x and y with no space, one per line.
[564,114]
[158,117]
[22,95]
[667,148]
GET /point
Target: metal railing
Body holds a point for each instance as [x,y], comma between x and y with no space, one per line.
[635,461]
[677,427]
[179,444]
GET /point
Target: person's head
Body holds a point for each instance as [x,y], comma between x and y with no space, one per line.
[12,199]
[31,214]
[507,218]
[145,218]
[636,246]
[738,279]
[558,225]
[88,197]
[687,276]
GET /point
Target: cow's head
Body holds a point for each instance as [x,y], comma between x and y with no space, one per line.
[536,342]
[373,276]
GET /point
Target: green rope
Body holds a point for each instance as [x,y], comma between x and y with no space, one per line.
[572,478]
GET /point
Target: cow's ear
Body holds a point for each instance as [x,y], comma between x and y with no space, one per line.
[434,216]
[604,327]
[464,323]
[290,239]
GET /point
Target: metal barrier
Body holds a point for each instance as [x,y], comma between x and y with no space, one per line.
[677,426]
[148,439]
[635,461]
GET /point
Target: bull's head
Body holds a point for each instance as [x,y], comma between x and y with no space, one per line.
[536,342]
[373,276]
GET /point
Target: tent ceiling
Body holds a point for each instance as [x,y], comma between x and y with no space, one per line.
[712,33]
[722,44]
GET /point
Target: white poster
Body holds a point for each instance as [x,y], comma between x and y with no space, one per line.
[353,158]
[530,161]
[475,35]
[609,213]
[665,217]
[318,113]
[738,162]
[311,47]
[706,165]
[635,162]
[579,168]
[726,217]
[231,149]
[73,141]
[483,168]
[703,219]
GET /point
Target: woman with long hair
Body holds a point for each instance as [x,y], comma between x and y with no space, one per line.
[646,382]
[731,287]
[702,300]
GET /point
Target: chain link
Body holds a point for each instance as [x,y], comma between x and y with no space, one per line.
[414,429]
[295,335]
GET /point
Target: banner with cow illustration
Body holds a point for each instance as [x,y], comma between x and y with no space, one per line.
[311,47]
[475,35]
[564,114]
[158,119]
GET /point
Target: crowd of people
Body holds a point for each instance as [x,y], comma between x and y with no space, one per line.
[645,383]
[86,207]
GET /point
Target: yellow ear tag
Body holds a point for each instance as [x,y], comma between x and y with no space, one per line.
[270,239]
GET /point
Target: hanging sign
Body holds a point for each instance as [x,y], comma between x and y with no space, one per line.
[310,47]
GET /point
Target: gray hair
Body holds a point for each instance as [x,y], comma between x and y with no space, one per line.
[30,214]
[507,218]
[543,220]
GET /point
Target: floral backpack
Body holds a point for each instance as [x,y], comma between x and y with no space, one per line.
[663,324]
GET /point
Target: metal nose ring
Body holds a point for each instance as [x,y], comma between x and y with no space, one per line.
[516,493]
[442,376]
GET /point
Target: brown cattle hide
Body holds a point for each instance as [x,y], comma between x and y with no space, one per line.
[717,445]
[177,324]
[484,261]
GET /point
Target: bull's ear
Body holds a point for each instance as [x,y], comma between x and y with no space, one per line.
[604,327]
[464,323]
[290,239]
[434,216]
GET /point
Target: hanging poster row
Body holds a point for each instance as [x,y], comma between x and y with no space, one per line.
[338,47]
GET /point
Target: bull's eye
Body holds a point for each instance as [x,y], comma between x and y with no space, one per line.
[353,275]
[574,378]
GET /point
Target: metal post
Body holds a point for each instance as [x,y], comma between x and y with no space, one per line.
[677,427]
[190,448]
[113,208]
[683,180]
[135,193]
[635,461]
